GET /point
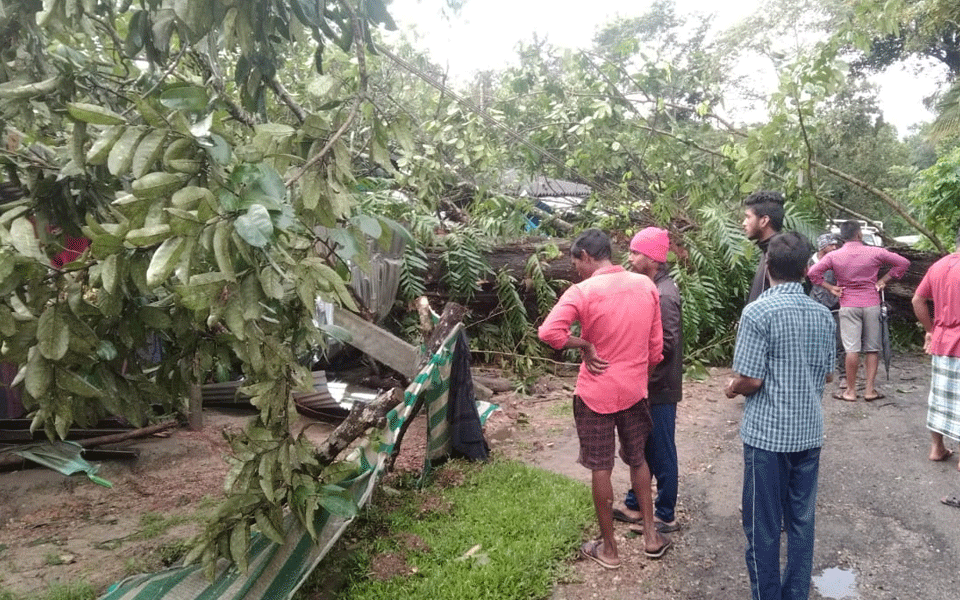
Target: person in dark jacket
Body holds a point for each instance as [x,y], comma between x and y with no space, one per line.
[763,218]
[648,256]
[826,244]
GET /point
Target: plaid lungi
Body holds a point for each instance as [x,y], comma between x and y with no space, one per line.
[943,413]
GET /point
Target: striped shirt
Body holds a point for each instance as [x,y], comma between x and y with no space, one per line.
[786,339]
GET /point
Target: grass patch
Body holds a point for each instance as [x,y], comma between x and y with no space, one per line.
[477,538]
[562,409]
[71,591]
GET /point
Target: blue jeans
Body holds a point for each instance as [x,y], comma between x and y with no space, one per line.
[661,455]
[779,486]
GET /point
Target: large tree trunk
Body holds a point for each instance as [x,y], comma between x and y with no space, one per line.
[513,257]
[899,292]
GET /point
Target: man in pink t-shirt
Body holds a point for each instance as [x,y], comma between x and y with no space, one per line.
[856,267]
[941,284]
[621,339]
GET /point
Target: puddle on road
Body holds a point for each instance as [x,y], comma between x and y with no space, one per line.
[839,584]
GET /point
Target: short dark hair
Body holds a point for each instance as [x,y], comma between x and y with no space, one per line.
[592,241]
[767,203]
[849,230]
[787,256]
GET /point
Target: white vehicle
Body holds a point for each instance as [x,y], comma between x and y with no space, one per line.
[871,234]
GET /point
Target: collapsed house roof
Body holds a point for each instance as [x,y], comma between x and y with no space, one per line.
[540,186]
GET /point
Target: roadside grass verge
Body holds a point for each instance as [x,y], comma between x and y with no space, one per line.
[71,591]
[497,530]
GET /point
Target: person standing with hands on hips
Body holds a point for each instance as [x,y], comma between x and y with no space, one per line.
[783,357]
[856,267]
[621,339]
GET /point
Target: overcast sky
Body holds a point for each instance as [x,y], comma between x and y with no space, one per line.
[485,33]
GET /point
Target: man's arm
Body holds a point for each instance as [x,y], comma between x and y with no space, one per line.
[588,351]
[555,331]
[815,273]
[655,349]
[898,266]
[922,311]
[742,385]
[672,320]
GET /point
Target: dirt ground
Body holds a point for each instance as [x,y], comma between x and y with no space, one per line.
[880,521]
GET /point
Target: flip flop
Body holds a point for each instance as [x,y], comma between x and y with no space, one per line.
[945,456]
[591,550]
[951,501]
[872,398]
[619,515]
[839,396]
[659,552]
[664,527]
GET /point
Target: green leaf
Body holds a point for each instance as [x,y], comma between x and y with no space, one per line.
[337,332]
[91,113]
[272,283]
[71,382]
[197,16]
[7,263]
[337,501]
[53,335]
[368,225]
[218,148]
[255,226]
[121,153]
[164,261]
[267,528]
[106,350]
[266,473]
[8,325]
[149,151]
[108,273]
[39,373]
[100,150]
[239,543]
[186,97]
[25,240]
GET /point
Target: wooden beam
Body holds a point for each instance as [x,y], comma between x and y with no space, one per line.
[379,343]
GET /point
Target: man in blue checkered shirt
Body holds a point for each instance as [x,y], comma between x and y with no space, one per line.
[783,357]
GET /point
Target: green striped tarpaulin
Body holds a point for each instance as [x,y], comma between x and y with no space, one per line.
[276,571]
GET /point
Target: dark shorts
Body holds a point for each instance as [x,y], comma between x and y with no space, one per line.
[598,438]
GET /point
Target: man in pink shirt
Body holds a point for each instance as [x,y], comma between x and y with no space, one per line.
[942,285]
[856,267]
[621,339]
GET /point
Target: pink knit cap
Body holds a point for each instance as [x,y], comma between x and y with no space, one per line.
[652,242]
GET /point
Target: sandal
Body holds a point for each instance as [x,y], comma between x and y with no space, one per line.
[659,552]
[951,501]
[591,550]
[664,527]
[839,396]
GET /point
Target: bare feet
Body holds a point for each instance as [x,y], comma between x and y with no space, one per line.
[941,454]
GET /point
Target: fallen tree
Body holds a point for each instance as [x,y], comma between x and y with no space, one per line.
[513,257]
